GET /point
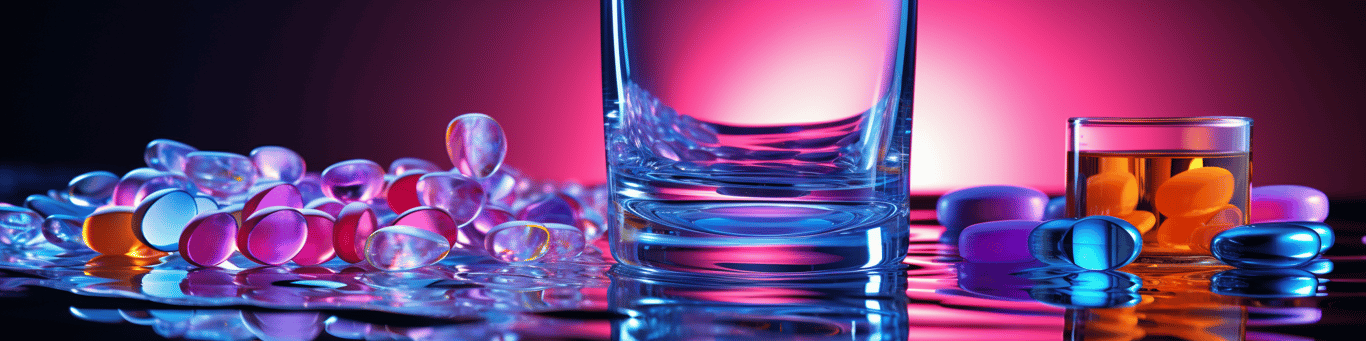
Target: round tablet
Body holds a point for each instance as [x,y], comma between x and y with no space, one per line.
[959,209]
[272,235]
[160,219]
[209,239]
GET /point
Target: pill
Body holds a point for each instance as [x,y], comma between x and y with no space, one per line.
[92,189]
[273,235]
[517,241]
[1111,193]
[318,248]
[219,174]
[351,181]
[355,223]
[109,231]
[1043,241]
[64,231]
[1265,283]
[1266,245]
[399,247]
[566,242]
[161,218]
[1142,220]
[961,208]
[1326,236]
[404,165]
[209,239]
[1195,192]
[1055,209]
[1100,243]
[275,163]
[167,155]
[431,219]
[1003,241]
[461,196]
[1287,203]
[401,192]
[20,228]
[476,145]
[1188,233]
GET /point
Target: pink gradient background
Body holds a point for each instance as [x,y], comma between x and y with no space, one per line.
[995,82]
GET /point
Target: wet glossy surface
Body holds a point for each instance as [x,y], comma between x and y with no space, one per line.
[935,296]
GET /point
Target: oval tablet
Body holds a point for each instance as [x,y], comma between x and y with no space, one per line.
[1287,203]
[209,239]
[1266,245]
[161,218]
[959,209]
[272,236]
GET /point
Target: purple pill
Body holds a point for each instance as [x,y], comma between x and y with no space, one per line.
[472,235]
[92,189]
[476,145]
[431,219]
[500,186]
[138,183]
[64,231]
[557,208]
[208,240]
[219,174]
[318,248]
[277,194]
[1280,203]
[273,236]
[1002,241]
[1056,209]
[167,155]
[404,165]
[278,164]
[353,181]
[310,186]
[462,197]
[959,209]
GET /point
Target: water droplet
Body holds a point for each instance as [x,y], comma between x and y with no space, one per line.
[273,235]
[278,163]
[92,189]
[517,241]
[160,219]
[461,196]
[476,144]
[209,239]
[318,249]
[167,155]
[351,181]
[398,247]
[218,174]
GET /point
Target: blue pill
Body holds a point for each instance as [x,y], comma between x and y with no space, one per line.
[1043,241]
[1268,245]
[1326,237]
[1092,243]
[1088,289]
[962,208]
[1265,283]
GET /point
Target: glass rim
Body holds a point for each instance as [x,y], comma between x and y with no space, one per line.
[1200,121]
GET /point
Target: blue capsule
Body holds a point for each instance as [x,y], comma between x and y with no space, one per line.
[1326,237]
[1265,283]
[1092,243]
[1268,245]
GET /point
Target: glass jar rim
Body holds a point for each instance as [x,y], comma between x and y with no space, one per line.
[1203,121]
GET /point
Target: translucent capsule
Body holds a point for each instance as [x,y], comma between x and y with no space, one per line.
[476,145]
[351,181]
[1326,236]
[64,231]
[501,186]
[1092,243]
[566,242]
[1003,241]
[1265,283]
[20,227]
[138,183]
[472,235]
[272,236]
[461,196]
[109,231]
[219,174]
[517,241]
[278,164]
[404,165]
[275,194]
[1195,192]
[1287,203]
[92,189]
[46,206]
[159,220]
[205,204]
[355,223]
[329,205]
[310,186]
[550,209]
[398,247]
[209,239]
[1266,245]
[401,193]
[431,219]
[961,208]
[1111,193]
[318,248]
[167,155]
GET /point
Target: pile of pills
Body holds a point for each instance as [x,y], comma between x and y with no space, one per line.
[1003,224]
[208,205]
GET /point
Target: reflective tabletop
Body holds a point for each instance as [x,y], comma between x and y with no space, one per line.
[935,296]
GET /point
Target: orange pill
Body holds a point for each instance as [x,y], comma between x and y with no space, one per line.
[1190,232]
[1142,220]
[1195,192]
[1111,193]
[109,231]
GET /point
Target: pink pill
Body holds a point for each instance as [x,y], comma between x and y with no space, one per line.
[325,204]
[402,191]
[355,223]
[278,194]
[476,145]
[273,236]
[208,240]
[431,219]
[351,181]
[1281,203]
[318,248]
[462,197]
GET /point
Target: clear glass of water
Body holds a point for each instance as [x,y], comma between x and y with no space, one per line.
[758,137]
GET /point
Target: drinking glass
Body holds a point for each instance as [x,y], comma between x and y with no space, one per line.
[763,136]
